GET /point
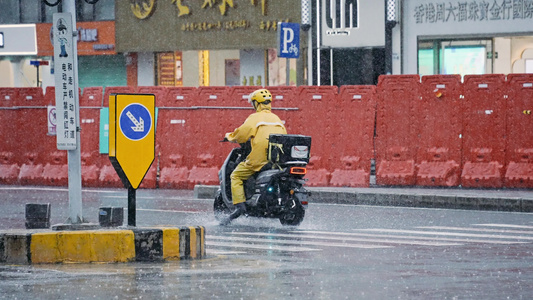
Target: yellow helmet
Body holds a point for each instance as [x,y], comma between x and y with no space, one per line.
[262,96]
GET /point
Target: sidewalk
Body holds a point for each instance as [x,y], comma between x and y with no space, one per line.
[516,200]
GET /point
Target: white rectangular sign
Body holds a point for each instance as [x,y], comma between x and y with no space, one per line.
[66,87]
[352,23]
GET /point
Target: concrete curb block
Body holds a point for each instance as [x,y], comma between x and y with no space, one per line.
[425,199]
[102,246]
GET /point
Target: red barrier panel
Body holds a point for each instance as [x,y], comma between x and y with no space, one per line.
[208,127]
[396,129]
[519,149]
[285,104]
[439,127]
[116,90]
[160,92]
[89,146]
[316,103]
[9,164]
[174,136]
[7,96]
[55,170]
[32,139]
[92,96]
[239,95]
[353,143]
[483,130]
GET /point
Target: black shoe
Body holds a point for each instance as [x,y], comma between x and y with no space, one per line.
[240,209]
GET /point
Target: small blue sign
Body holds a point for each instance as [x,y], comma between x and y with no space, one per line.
[289,40]
[135,121]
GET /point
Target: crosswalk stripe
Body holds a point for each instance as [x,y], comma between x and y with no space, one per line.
[264,247]
[289,242]
[324,237]
[513,237]
[476,229]
[505,225]
[460,240]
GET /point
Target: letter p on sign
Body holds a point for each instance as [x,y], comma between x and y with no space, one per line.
[289,40]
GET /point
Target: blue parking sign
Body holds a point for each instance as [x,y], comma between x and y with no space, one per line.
[289,40]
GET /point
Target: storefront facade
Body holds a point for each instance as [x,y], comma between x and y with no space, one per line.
[199,43]
[467,37]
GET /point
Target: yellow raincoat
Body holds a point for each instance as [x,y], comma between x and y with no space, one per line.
[257,127]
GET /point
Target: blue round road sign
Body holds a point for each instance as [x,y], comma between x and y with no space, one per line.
[135,121]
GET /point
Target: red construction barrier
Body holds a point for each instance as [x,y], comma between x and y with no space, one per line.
[317,103]
[116,90]
[208,127]
[353,142]
[519,149]
[7,96]
[31,135]
[396,129]
[174,136]
[55,170]
[439,127]
[160,92]
[238,95]
[9,164]
[90,105]
[484,130]
[92,96]
[285,104]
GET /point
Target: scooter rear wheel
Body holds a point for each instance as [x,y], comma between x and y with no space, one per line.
[220,209]
[293,218]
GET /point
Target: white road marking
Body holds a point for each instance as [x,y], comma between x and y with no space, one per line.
[514,237]
[292,242]
[476,229]
[460,240]
[265,247]
[371,240]
[505,225]
[170,211]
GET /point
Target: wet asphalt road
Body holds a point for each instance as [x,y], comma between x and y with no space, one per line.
[338,252]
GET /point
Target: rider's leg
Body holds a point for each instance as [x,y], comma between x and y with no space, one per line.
[240,174]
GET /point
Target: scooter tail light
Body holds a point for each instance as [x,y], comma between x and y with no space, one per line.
[298,170]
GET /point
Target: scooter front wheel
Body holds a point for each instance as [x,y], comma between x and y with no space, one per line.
[220,209]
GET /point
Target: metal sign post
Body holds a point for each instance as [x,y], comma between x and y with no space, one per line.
[131,141]
[67,102]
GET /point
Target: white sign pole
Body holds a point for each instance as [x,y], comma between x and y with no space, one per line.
[67,102]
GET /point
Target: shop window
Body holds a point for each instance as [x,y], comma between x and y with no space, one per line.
[455,57]
[232,72]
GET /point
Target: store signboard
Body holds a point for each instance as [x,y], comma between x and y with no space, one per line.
[200,25]
[66,86]
[11,42]
[352,23]
[94,38]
